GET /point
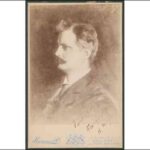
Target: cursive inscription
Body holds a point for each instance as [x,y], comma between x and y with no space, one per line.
[90,126]
[38,140]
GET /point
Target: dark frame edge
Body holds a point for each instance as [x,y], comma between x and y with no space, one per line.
[123,78]
[26,72]
[72,1]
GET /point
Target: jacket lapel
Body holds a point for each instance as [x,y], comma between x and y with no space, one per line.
[74,93]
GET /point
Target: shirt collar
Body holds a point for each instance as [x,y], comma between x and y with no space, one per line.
[76,77]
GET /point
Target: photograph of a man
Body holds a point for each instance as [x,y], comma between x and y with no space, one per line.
[75,75]
[80,96]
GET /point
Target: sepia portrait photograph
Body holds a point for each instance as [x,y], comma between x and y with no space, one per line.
[75,75]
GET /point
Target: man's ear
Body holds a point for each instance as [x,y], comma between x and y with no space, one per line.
[88,52]
[88,49]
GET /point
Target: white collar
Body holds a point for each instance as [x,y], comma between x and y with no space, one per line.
[76,77]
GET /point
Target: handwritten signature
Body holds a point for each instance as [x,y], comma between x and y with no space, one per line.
[90,126]
[75,139]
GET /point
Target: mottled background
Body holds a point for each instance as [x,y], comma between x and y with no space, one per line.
[42,39]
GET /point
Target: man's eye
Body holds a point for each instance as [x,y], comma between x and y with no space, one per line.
[64,47]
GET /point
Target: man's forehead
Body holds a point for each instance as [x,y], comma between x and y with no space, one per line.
[67,37]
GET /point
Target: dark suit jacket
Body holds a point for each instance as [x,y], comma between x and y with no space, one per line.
[85,101]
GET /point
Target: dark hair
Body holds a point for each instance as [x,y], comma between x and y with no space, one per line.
[84,32]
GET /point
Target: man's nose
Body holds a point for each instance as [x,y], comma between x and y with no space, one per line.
[58,51]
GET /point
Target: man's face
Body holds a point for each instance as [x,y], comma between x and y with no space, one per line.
[70,55]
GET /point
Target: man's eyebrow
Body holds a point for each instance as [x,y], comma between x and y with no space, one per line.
[63,44]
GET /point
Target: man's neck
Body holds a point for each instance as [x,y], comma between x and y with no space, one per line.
[75,75]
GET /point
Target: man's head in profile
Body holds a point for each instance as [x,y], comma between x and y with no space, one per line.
[77,46]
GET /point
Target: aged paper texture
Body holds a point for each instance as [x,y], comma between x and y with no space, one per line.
[75,75]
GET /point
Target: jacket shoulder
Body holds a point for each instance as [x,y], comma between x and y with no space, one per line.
[101,104]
